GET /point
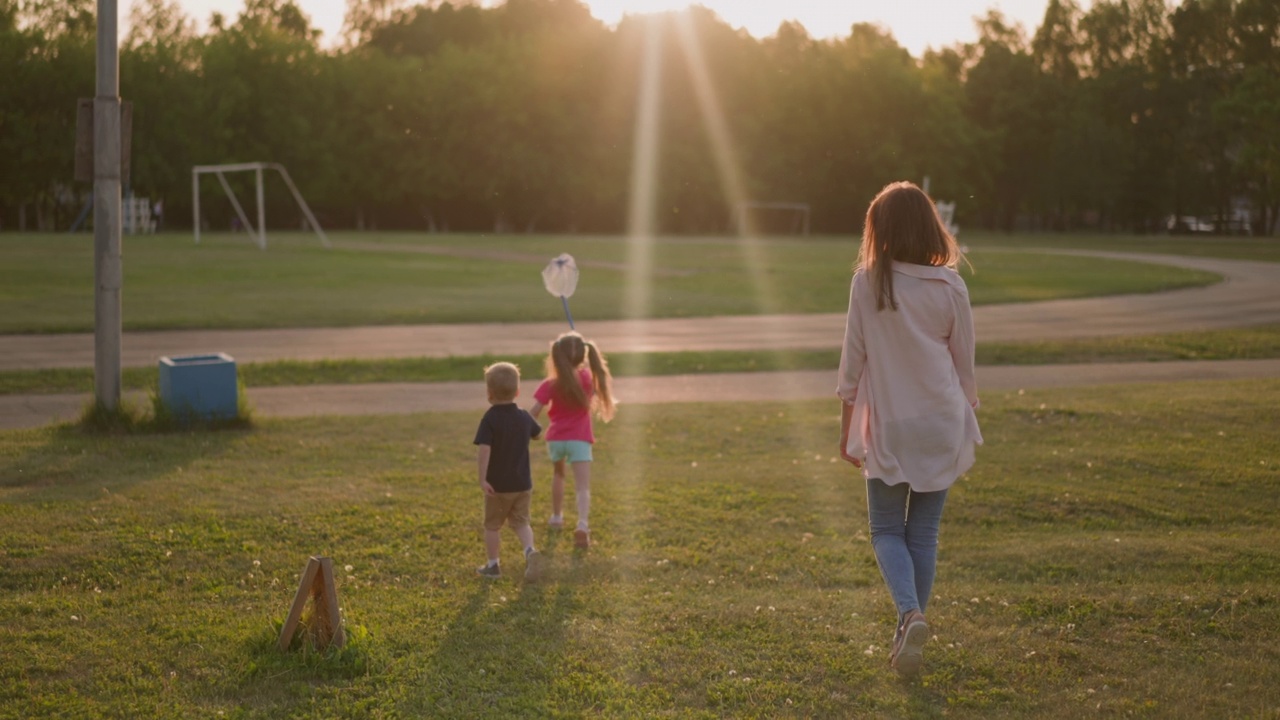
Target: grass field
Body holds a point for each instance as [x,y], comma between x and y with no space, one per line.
[1234,344]
[1114,553]
[46,281]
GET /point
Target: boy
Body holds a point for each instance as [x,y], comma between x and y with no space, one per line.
[503,459]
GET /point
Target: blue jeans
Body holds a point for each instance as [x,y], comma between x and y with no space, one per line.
[904,535]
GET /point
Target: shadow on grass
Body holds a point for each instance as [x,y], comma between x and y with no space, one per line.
[506,647]
[68,463]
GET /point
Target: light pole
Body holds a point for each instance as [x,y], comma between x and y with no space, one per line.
[107,270]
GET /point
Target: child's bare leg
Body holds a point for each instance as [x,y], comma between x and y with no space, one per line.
[582,491]
[557,489]
[492,544]
[526,536]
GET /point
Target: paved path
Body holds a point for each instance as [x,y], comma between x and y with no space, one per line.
[1249,295]
[401,398]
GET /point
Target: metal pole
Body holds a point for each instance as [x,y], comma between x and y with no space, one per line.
[195,202]
[262,211]
[315,225]
[108,274]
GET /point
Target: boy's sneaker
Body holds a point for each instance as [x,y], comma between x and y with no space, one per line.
[556,522]
[582,538]
[489,571]
[908,651]
[532,566]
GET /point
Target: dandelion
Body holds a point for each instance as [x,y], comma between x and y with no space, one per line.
[348,568]
[75,618]
[257,563]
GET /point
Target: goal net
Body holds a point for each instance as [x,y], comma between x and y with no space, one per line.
[258,232]
[772,218]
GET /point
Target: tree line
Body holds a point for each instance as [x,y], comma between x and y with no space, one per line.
[523,116]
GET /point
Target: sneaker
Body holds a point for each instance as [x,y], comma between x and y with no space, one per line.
[908,653]
[582,538]
[533,566]
[489,571]
[556,522]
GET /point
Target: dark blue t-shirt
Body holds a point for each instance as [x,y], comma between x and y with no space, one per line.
[506,429]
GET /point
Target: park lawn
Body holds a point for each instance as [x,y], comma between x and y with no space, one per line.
[1227,247]
[1233,344]
[46,281]
[1114,552]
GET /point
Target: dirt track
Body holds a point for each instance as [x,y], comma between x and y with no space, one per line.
[1249,295]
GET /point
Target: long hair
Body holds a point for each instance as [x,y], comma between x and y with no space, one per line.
[567,355]
[903,224]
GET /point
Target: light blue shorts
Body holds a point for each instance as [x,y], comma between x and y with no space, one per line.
[571,450]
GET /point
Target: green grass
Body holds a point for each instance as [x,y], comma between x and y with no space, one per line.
[1114,553]
[1230,248]
[1235,344]
[46,281]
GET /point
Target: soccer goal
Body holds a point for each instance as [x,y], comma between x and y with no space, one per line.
[260,233]
[792,217]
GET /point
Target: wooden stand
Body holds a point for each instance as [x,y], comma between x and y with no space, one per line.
[326,625]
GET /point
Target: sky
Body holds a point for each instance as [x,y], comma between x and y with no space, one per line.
[916,24]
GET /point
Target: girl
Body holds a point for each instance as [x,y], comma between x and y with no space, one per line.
[908,392]
[571,392]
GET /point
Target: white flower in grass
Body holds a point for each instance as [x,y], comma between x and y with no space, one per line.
[348,568]
[871,650]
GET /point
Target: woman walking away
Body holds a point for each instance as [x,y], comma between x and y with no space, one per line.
[907,386]
[578,382]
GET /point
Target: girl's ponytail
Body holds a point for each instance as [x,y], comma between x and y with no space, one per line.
[603,400]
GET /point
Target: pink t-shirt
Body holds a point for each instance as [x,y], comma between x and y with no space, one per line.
[568,421]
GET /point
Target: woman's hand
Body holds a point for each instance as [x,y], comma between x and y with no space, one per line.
[845,454]
[846,420]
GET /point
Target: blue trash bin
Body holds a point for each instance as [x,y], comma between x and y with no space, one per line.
[200,386]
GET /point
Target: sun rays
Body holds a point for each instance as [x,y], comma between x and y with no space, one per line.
[642,226]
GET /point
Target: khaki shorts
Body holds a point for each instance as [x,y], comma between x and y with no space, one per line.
[512,508]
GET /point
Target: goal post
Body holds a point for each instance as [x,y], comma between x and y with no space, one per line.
[799,214]
[260,233]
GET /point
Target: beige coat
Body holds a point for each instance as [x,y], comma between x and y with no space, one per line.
[908,373]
